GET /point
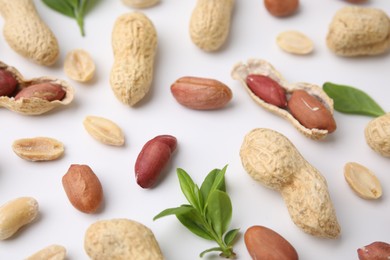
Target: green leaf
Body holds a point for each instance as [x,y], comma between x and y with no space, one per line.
[214,249]
[173,211]
[61,6]
[194,222]
[351,100]
[189,188]
[231,236]
[219,211]
[214,180]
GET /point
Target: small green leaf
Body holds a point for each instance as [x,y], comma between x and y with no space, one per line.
[189,188]
[173,211]
[193,221]
[214,180]
[61,6]
[219,211]
[351,100]
[231,236]
[214,249]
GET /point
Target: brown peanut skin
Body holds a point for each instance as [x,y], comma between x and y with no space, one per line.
[264,243]
[201,93]
[375,251]
[152,159]
[281,8]
[47,91]
[267,89]
[310,112]
[83,188]
[8,83]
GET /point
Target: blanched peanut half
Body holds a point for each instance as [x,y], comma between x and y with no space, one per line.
[52,252]
[38,148]
[295,42]
[104,130]
[140,3]
[79,65]
[15,214]
[362,181]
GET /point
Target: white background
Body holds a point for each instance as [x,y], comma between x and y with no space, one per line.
[206,139]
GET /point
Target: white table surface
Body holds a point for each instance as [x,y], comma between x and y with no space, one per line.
[206,139]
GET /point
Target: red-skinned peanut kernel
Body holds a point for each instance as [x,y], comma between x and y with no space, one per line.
[8,83]
[153,158]
[267,89]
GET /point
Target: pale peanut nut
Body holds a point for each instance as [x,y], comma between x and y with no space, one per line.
[270,158]
[79,65]
[264,243]
[295,42]
[362,181]
[377,250]
[201,93]
[140,3]
[358,31]
[153,158]
[52,252]
[310,112]
[16,214]
[241,71]
[104,130]
[8,83]
[121,239]
[267,89]
[210,23]
[83,188]
[34,106]
[38,148]
[281,8]
[26,33]
[45,90]
[134,42]
[377,134]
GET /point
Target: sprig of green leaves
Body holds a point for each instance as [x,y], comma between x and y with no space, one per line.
[209,211]
[351,100]
[75,9]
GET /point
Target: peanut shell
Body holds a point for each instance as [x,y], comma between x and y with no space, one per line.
[240,72]
[34,106]
[377,134]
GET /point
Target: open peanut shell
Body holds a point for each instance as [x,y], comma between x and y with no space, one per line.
[34,106]
[240,72]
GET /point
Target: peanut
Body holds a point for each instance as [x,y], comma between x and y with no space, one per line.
[375,251]
[38,148]
[264,243]
[201,93]
[267,89]
[310,112]
[351,35]
[79,65]
[46,91]
[52,252]
[104,130]
[140,3]
[270,158]
[27,34]
[134,41]
[295,42]
[281,8]
[210,23]
[8,83]
[121,239]
[16,214]
[153,158]
[268,73]
[83,188]
[362,181]
[377,134]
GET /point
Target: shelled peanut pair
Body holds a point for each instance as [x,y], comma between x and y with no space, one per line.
[305,105]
